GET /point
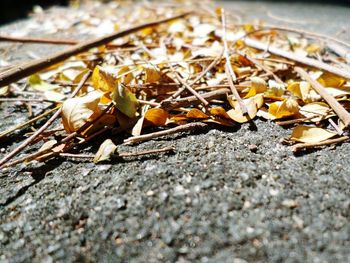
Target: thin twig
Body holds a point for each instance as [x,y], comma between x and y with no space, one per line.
[22,125]
[150,136]
[193,100]
[32,67]
[343,114]
[295,57]
[300,146]
[231,76]
[28,141]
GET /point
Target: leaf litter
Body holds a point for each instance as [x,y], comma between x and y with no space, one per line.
[197,70]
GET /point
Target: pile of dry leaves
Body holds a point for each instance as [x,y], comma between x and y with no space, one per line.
[191,69]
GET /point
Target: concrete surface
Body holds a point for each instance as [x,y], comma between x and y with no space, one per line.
[233,195]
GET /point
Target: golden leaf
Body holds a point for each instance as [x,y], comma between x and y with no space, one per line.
[156,116]
[252,104]
[77,111]
[258,86]
[317,111]
[125,100]
[310,134]
[103,81]
[196,114]
[281,109]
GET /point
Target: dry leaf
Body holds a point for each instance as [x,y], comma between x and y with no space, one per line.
[196,114]
[310,134]
[77,111]
[281,109]
[105,152]
[252,104]
[316,111]
[156,116]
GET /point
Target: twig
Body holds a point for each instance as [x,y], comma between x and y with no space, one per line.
[150,136]
[295,57]
[37,40]
[231,76]
[343,114]
[300,146]
[290,122]
[190,89]
[262,66]
[18,149]
[25,100]
[29,68]
[22,125]
[193,100]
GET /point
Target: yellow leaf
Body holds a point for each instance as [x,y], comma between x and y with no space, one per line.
[103,81]
[258,86]
[38,84]
[4,91]
[310,134]
[281,109]
[156,116]
[330,80]
[196,114]
[220,112]
[125,100]
[313,48]
[151,75]
[106,151]
[77,111]
[317,111]
[252,104]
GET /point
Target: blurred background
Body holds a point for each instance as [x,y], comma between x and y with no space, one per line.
[16,9]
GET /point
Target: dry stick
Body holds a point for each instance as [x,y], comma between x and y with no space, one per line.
[42,128]
[63,141]
[193,100]
[343,114]
[201,75]
[150,136]
[38,40]
[231,77]
[294,57]
[262,66]
[29,68]
[190,89]
[22,125]
[25,100]
[300,146]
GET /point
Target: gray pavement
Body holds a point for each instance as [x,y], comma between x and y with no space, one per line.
[225,195]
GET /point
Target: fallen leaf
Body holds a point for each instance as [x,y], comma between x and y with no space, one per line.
[281,109]
[77,111]
[196,114]
[316,111]
[156,116]
[125,100]
[105,152]
[309,134]
[252,104]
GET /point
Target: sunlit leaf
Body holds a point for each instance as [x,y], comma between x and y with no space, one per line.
[38,84]
[77,111]
[316,111]
[281,109]
[258,86]
[105,152]
[310,134]
[125,100]
[156,116]
[196,114]
[252,104]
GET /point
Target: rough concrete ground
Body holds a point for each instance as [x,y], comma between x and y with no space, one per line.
[225,195]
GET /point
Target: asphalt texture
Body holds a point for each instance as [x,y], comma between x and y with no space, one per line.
[225,195]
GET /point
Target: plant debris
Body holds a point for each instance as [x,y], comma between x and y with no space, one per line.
[189,70]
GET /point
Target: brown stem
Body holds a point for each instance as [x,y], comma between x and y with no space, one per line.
[38,40]
[32,67]
[150,136]
[300,146]
[28,141]
[343,114]
[294,57]
[231,76]
[193,100]
[22,125]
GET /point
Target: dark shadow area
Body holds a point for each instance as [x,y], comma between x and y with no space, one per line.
[16,9]
[335,2]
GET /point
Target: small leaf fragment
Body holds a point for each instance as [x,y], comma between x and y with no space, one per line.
[196,114]
[105,152]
